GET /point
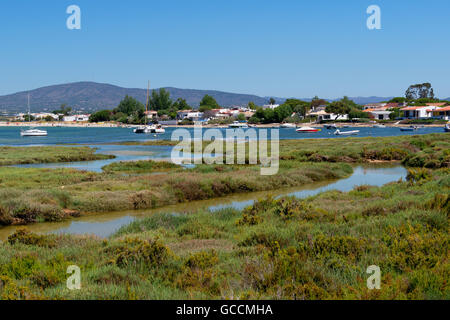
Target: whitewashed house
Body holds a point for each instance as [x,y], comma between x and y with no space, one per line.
[420,112]
[77,118]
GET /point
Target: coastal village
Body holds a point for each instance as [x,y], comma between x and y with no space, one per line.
[319,114]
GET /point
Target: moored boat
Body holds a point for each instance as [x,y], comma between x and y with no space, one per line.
[33,133]
[158,129]
[346,133]
[447,127]
[237,124]
[307,130]
[411,128]
[379,126]
[288,125]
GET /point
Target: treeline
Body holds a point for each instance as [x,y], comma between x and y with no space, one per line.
[131,111]
[294,110]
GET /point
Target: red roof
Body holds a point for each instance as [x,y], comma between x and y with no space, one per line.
[447,108]
[412,108]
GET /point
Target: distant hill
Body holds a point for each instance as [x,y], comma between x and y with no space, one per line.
[91,96]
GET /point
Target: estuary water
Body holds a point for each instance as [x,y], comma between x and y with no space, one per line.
[100,137]
[10,136]
[106,224]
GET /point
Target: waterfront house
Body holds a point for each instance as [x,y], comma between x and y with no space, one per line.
[419,112]
[322,115]
[189,115]
[151,114]
[182,114]
[378,114]
[77,118]
[442,113]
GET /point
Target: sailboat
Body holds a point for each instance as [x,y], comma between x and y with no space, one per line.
[32,132]
[147,128]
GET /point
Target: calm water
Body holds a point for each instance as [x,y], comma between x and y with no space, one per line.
[93,136]
[104,225]
[97,137]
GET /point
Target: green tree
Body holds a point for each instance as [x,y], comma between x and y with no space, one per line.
[317,102]
[282,112]
[397,100]
[63,110]
[160,100]
[241,117]
[180,104]
[419,91]
[298,106]
[129,106]
[252,106]
[100,116]
[208,103]
[272,101]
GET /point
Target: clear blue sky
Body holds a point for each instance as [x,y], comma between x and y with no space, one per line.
[273,48]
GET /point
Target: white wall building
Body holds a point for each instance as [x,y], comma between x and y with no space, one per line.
[421,112]
[77,118]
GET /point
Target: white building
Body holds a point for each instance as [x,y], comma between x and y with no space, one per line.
[322,115]
[420,112]
[379,114]
[77,118]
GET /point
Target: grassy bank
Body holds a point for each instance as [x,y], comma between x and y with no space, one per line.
[316,248]
[134,185]
[30,155]
[68,191]
[431,150]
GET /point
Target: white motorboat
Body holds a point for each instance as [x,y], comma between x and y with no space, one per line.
[331,126]
[143,129]
[307,130]
[158,129]
[288,125]
[237,124]
[149,129]
[447,127]
[32,132]
[379,126]
[346,133]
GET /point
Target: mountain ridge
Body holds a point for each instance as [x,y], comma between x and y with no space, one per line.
[91,96]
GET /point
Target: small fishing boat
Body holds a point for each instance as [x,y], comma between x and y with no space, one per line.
[307,130]
[288,125]
[143,129]
[447,127]
[331,126]
[158,129]
[32,132]
[346,133]
[411,128]
[237,124]
[381,126]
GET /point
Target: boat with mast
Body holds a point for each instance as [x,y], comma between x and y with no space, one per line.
[32,132]
[147,128]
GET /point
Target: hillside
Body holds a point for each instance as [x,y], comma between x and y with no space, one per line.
[94,96]
[91,96]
